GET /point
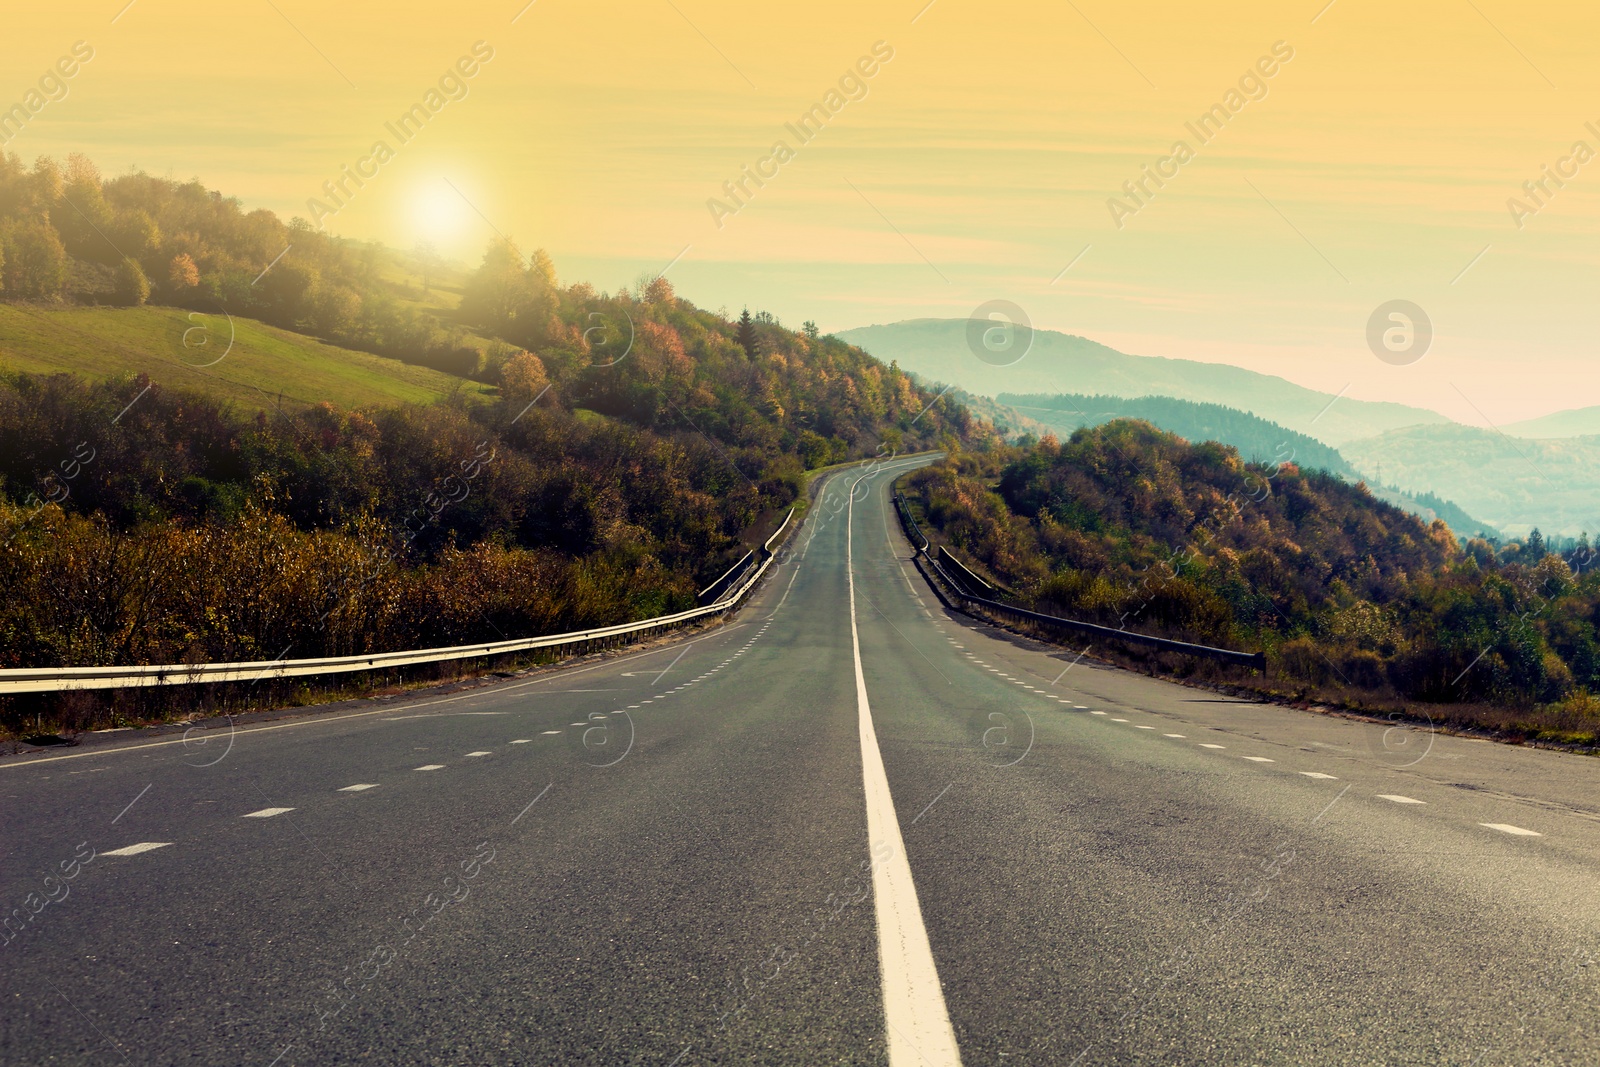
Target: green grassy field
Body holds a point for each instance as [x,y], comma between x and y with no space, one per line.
[173,347]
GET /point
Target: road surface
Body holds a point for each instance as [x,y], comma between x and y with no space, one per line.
[846,827]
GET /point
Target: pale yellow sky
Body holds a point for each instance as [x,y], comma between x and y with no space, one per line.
[978,164]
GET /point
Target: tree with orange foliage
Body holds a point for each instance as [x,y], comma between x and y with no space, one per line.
[182,272]
[522,377]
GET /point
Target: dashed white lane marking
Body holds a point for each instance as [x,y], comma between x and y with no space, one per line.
[1097,713]
[431,767]
[1172,735]
[265,813]
[1136,727]
[478,753]
[134,850]
[1081,707]
[1319,774]
[359,787]
[1260,759]
[523,741]
[1203,745]
[1119,720]
[1505,828]
[1398,799]
[547,733]
[917,1021]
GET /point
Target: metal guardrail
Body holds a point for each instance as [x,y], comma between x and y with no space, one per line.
[719,588]
[782,526]
[1256,660]
[970,579]
[713,592]
[55,679]
[909,523]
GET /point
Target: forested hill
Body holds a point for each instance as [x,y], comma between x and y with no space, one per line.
[1129,526]
[1257,439]
[613,455]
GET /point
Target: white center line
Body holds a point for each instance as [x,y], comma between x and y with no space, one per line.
[265,813]
[918,1024]
[134,850]
[1398,799]
[359,787]
[1503,827]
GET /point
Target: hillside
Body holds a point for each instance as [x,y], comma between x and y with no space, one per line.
[264,362]
[1574,422]
[1513,483]
[1257,440]
[1062,363]
[1128,526]
[489,454]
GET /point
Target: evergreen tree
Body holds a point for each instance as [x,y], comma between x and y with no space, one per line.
[1535,549]
[747,333]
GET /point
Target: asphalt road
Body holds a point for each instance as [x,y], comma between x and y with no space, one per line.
[814,835]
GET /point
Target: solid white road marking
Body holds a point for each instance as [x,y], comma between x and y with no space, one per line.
[134,850]
[1398,799]
[265,813]
[1503,827]
[1260,759]
[1319,774]
[918,1024]
[431,767]
[357,788]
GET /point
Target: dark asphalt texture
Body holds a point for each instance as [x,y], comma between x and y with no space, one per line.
[659,859]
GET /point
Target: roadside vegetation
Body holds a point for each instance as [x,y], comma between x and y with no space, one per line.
[1355,602]
[600,458]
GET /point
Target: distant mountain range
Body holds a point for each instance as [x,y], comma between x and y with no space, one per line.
[1063,363]
[1257,439]
[1542,472]
[1577,422]
[1513,483]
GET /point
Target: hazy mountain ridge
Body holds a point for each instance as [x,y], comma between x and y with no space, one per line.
[1514,483]
[1064,363]
[1257,439]
[1574,422]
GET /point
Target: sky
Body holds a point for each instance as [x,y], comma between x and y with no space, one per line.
[978,162]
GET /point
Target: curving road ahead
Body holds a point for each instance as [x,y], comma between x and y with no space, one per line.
[845,827]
